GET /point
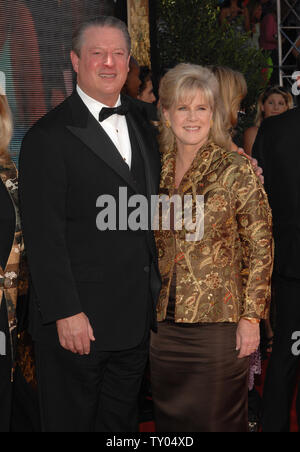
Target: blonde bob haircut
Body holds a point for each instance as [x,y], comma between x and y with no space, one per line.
[233,89]
[264,96]
[180,85]
[5,131]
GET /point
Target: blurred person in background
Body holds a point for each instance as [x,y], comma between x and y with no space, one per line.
[146,93]
[133,82]
[12,281]
[132,88]
[267,6]
[255,14]
[277,149]
[233,90]
[232,11]
[268,39]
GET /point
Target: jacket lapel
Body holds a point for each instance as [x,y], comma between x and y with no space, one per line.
[143,141]
[149,164]
[90,132]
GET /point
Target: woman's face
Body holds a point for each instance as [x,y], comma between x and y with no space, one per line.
[190,121]
[274,105]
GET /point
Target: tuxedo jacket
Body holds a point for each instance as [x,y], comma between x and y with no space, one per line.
[277,149]
[66,162]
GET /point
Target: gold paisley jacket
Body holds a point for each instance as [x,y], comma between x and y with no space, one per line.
[13,278]
[226,274]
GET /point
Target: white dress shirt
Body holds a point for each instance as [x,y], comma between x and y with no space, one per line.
[115,126]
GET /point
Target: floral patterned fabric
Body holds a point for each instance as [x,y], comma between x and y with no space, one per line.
[226,274]
[13,279]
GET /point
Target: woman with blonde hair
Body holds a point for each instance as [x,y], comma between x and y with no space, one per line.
[5,128]
[233,90]
[274,101]
[11,277]
[215,265]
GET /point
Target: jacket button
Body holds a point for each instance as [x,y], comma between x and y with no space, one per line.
[147,269]
[7,283]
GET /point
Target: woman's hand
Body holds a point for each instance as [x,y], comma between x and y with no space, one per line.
[247,337]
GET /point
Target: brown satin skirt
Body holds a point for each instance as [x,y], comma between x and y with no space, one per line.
[198,383]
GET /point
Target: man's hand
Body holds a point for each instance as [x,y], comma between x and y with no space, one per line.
[75,334]
[257,169]
[247,338]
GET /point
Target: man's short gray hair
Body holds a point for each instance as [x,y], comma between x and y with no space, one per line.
[101,22]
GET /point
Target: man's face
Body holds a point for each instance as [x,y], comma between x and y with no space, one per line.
[103,64]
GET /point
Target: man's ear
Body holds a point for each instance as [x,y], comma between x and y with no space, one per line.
[75,60]
[128,61]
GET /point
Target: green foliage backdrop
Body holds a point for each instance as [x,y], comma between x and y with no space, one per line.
[189,31]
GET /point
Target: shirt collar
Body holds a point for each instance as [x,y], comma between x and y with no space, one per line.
[94,105]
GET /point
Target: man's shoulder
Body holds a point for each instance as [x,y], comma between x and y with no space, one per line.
[287,119]
[51,127]
[55,118]
[147,110]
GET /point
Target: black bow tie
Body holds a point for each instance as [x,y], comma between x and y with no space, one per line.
[106,112]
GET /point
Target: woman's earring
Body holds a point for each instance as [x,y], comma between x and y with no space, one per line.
[168,125]
[211,122]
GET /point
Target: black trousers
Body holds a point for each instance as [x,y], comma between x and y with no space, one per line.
[92,393]
[283,365]
[5,376]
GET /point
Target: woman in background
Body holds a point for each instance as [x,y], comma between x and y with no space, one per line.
[146,93]
[268,40]
[13,285]
[208,325]
[272,102]
[231,11]
[11,248]
[255,13]
[133,82]
[233,90]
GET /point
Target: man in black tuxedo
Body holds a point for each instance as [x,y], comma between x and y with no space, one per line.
[93,291]
[277,150]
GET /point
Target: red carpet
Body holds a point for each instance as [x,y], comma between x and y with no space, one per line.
[150,426]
